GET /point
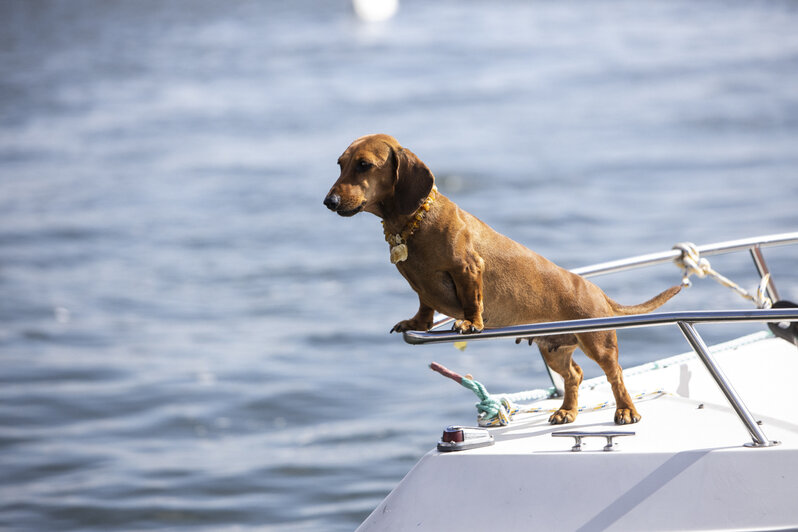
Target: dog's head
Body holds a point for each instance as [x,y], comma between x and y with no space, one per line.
[380,177]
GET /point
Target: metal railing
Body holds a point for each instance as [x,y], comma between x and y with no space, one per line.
[685,320]
[603,324]
[663,257]
[752,245]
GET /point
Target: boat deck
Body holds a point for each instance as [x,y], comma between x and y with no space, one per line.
[686,467]
[691,403]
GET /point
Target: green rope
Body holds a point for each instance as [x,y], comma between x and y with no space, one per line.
[491,410]
[488,406]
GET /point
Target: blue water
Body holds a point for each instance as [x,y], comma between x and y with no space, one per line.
[189,340]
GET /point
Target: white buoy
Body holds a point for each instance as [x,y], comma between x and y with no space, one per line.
[375,10]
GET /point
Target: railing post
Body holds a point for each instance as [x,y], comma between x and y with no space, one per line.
[762,269]
[697,343]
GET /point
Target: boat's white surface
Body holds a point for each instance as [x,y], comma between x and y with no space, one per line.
[686,467]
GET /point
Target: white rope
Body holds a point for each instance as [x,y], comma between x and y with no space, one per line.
[692,263]
[509,409]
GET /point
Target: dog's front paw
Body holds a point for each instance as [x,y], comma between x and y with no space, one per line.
[410,325]
[627,416]
[562,416]
[466,327]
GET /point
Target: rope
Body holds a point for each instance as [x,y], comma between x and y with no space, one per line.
[513,409]
[499,410]
[489,407]
[692,263]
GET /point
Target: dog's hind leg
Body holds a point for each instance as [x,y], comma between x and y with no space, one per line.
[559,358]
[603,348]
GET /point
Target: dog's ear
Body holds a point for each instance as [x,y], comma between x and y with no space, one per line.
[414,181]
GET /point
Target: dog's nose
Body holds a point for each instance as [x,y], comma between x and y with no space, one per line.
[332,201]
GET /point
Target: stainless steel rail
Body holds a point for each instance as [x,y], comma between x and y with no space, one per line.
[604,324]
[667,256]
[758,437]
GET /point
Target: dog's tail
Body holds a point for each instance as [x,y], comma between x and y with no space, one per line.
[653,303]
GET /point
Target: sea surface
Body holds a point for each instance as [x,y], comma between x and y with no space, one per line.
[190,341]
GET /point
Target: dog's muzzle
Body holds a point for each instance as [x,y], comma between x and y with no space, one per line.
[332,202]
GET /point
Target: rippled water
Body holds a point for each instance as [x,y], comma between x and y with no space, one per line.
[189,340]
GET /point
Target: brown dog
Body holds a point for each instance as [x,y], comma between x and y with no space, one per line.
[462,268]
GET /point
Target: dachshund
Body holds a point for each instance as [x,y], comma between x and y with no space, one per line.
[461,267]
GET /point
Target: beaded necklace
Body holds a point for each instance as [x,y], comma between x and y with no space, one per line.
[398,241]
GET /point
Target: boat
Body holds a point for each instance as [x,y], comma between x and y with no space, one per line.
[717,448]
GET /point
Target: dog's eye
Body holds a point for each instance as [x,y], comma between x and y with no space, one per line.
[364,165]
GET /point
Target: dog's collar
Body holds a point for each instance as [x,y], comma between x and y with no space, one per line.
[398,241]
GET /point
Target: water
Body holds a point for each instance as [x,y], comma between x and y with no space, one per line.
[189,340]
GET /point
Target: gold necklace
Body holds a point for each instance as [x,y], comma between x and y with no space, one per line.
[398,241]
